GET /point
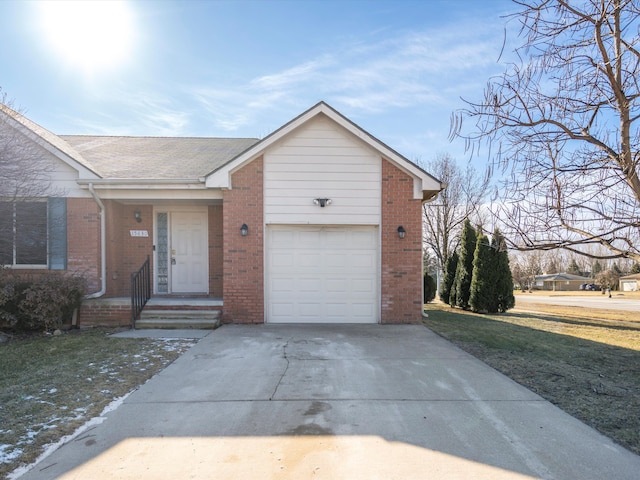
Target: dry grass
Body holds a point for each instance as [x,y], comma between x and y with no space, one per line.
[49,386]
[580,312]
[589,367]
[581,293]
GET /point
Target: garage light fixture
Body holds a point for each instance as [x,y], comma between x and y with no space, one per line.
[244,230]
[137,216]
[401,231]
[322,201]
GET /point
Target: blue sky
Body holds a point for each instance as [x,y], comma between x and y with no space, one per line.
[244,68]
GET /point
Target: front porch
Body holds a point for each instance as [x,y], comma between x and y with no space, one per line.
[168,312]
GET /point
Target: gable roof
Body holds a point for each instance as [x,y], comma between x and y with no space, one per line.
[156,158]
[426,186]
[112,160]
[49,141]
[633,276]
[560,277]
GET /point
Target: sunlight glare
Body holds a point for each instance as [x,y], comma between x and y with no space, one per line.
[92,36]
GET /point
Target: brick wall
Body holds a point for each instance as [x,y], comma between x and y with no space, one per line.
[113,214]
[243,265]
[126,254]
[401,267]
[105,312]
[215,251]
[83,240]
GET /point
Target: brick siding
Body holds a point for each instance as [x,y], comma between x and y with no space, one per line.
[243,265]
[105,313]
[216,251]
[126,254]
[83,240]
[401,258]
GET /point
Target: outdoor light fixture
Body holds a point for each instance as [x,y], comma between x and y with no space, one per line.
[137,216]
[244,230]
[322,201]
[401,231]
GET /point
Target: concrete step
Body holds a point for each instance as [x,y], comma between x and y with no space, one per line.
[175,319]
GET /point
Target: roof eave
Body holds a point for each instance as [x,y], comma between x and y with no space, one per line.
[145,183]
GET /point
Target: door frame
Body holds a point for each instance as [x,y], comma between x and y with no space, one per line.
[173,210]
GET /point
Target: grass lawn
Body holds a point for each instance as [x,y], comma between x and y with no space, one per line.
[589,367]
[51,385]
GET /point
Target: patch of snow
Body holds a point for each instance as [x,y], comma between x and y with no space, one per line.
[8,453]
[52,447]
[53,390]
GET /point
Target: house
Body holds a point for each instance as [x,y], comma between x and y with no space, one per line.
[560,282]
[630,283]
[317,222]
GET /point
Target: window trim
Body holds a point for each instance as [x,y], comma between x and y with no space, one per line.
[56,234]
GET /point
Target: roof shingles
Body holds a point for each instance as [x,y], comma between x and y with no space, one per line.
[155,158]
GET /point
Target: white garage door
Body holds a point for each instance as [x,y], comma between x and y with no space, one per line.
[318,274]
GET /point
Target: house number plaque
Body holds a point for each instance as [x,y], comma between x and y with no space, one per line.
[139,233]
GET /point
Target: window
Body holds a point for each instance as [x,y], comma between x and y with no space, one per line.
[33,233]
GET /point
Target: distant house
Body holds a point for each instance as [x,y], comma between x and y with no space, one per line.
[560,282]
[630,283]
[317,222]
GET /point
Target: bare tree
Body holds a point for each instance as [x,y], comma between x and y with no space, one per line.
[562,125]
[525,267]
[25,185]
[25,169]
[461,199]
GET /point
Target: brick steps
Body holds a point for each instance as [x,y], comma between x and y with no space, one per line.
[178,319]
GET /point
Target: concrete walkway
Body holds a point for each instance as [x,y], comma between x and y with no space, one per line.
[334,402]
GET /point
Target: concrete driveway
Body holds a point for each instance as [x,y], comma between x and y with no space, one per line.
[334,402]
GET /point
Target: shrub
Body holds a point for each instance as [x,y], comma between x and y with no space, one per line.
[39,303]
[12,291]
[462,282]
[449,277]
[483,280]
[429,288]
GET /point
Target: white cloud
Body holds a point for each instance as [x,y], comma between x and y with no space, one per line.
[141,114]
[411,70]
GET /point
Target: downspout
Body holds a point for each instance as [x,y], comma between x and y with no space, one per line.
[103,247]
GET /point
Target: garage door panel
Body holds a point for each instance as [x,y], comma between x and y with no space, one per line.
[337,286]
[322,274]
[362,310]
[308,259]
[362,260]
[309,309]
[283,259]
[282,309]
[308,285]
[336,311]
[308,238]
[336,260]
[363,285]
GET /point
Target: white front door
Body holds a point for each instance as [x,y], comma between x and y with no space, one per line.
[189,262]
[322,274]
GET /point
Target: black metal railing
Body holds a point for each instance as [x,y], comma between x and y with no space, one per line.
[140,290]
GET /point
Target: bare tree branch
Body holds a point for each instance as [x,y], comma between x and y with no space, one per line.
[461,199]
[563,128]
